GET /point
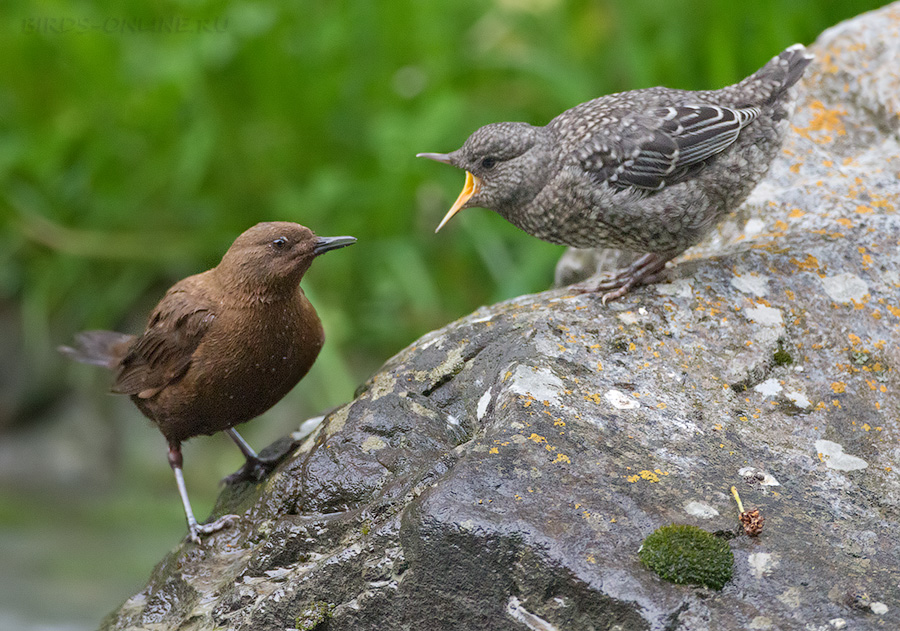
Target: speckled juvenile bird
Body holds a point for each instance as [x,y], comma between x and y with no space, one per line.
[221,347]
[650,170]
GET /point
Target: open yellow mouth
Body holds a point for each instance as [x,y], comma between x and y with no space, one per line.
[472,186]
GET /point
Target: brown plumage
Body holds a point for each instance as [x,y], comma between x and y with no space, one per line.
[221,347]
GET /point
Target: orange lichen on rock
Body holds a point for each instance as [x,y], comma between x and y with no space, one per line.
[810,263]
[823,120]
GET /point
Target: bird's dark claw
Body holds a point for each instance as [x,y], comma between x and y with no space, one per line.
[644,271]
[254,470]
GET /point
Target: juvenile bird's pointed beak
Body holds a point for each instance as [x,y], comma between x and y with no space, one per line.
[437,157]
[324,244]
[472,186]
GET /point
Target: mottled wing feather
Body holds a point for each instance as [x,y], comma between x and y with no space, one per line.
[666,145]
[163,353]
[703,131]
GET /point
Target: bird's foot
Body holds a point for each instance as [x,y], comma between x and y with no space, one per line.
[646,270]
[195,529]
[254,470]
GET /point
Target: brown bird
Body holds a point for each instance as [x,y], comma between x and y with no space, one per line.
[221,347]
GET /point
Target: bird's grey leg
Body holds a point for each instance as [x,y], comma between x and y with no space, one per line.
[195,529]
[647,269]
[255,468]
[242,444]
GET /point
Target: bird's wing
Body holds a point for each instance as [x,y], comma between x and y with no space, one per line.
[665,145]
[163,353]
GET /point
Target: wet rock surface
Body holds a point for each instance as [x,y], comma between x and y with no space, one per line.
[502,472]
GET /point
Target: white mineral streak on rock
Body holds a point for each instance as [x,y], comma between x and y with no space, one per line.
[518,613]
[753,227]
[769,387]
[798,398]
[701,510]
[681,288]
[767,316]
[845,287]
[483,403]
[832,454]
[756,285]
[620,400]
[306,427]
[757,476]
[539,383]
[761,563]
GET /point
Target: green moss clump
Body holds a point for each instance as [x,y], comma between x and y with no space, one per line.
[314,616]
[688,555]
[782,357]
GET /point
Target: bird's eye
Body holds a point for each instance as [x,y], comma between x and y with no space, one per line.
[280,243]
[488,163]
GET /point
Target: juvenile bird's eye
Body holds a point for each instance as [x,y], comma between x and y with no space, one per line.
[488,163]
[280,243]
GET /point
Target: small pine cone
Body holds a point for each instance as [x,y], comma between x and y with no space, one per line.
[752,522]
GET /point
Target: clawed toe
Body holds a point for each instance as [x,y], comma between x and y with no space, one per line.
[195,529]
[254,470]
[647,269]
[602,283]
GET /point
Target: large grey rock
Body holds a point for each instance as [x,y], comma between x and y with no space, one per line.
[502,472]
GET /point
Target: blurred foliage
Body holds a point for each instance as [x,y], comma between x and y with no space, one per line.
[137,140]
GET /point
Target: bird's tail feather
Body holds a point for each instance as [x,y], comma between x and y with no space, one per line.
[782,71]
[797,58]
[100,348]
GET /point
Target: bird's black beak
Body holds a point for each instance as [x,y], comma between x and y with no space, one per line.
[324,244]
[437,157]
